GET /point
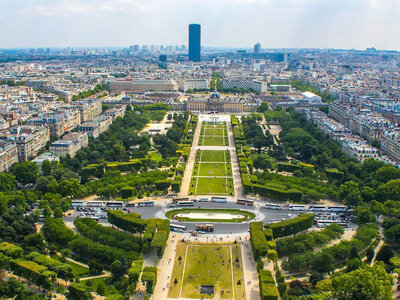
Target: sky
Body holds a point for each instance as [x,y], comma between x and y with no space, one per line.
[344,24]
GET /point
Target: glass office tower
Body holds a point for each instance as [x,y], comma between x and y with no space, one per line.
[194,42]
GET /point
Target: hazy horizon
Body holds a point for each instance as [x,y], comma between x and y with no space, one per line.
[321,24]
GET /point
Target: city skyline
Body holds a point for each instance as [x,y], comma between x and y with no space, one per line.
[275,24]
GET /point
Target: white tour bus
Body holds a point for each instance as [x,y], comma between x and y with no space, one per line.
[337,208]
[177,228]
[77,203]
[273,206]
[317,208]
[297,207]
[185,203]
[94,203]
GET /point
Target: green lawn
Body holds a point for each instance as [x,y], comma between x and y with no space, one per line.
[211,169]
[208,140]
[214,131]
[213,156]
[211,186]
[78,270]
[201,264]
[154,155]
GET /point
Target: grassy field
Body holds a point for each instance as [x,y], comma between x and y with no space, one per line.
[78,270]
[212,173]
[211,169]
[211,186]
[212,156]
[213,135]
[209,140]
[206,264]
[246,214]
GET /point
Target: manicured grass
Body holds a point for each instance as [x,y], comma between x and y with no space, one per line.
[154,155]
[206,264]
[78,270]
[211,186]
[212,141]
[246,214]
[213,156]
[211,169]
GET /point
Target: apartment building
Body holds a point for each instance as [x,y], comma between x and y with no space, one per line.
[390,144]
[8,155]
[95,127]
[194,84]
[59,122]
[30,140]
[245,84]
[70,144]
[89,109]
[142,85]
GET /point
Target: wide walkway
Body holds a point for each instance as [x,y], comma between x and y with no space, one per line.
[237,181]
[187,175]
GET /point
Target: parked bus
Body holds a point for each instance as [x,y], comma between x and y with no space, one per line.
[185,203]
[77,203]
[297,207]
[95,203]
[203,200]
[337,208]
[177,228]
[146,203]
[317,208]
[114,203]
[205,227]
[324,223]
[218,199]
[130,204]
[273,206]
[177,199]
[245,202]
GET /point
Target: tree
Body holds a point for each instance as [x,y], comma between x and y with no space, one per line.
[364,215]
[368,283]
[101,289]
[26,172]
[350,192]
[116,270]
[77,291]
[46,168]
[323,262]
[263,107]
[7,182]
[94,267]
[385,254]
[34,242]
[315,277]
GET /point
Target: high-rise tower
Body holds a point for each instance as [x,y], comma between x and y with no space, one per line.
[194,42]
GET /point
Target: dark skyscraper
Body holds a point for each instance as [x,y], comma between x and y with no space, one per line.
[194,42]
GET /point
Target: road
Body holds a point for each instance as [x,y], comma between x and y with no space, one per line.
[159,210]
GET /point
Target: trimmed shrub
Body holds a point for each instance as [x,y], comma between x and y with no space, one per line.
[149,278]
[291,226]
[258,240]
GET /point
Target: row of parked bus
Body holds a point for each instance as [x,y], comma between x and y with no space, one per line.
[187,202]
[109,204]
[311,208]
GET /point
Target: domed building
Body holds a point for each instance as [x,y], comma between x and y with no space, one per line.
[216,102]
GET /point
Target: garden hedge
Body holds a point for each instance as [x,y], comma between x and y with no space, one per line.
[258,240]
[291,226]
